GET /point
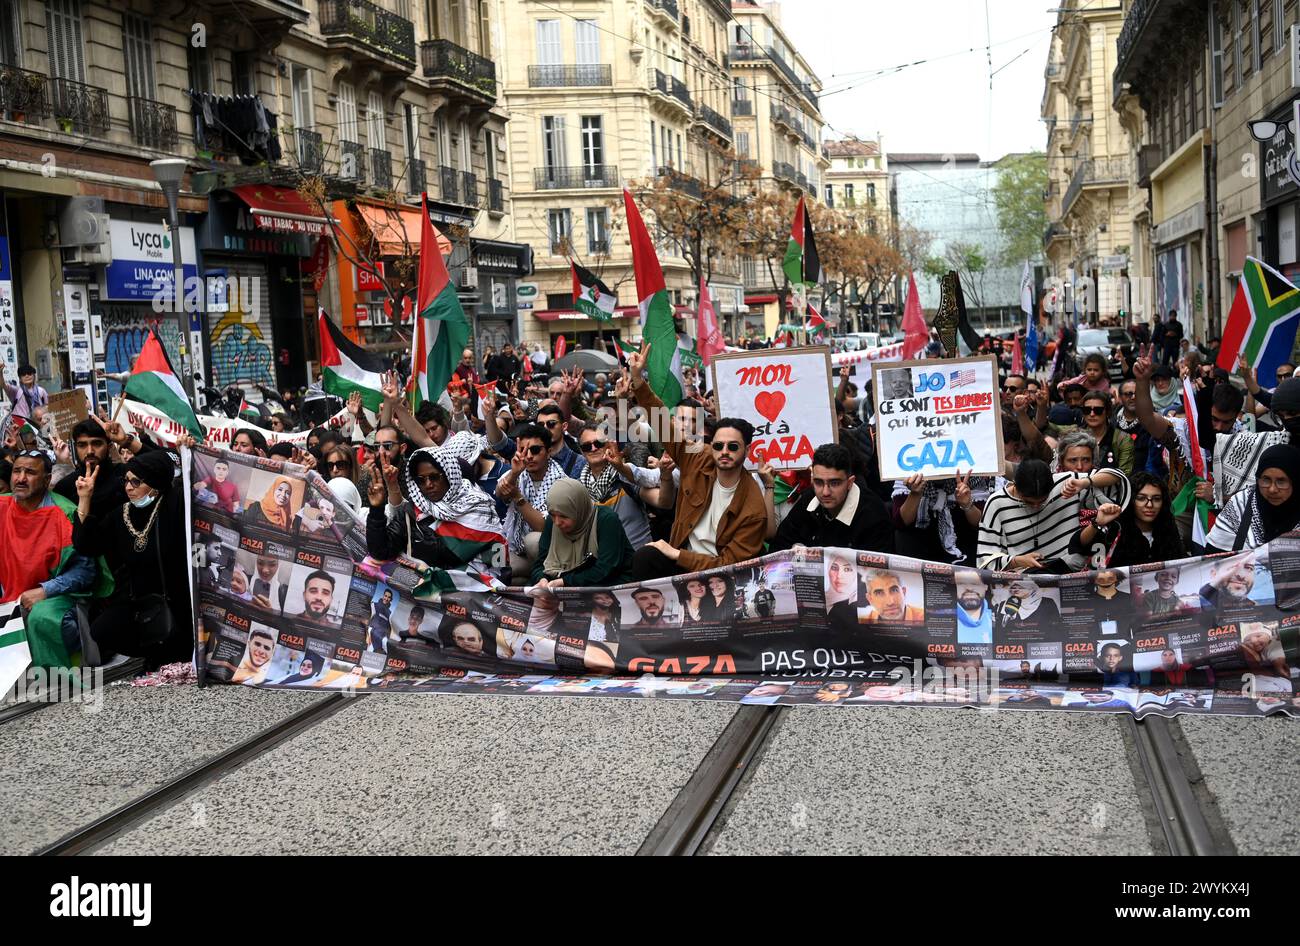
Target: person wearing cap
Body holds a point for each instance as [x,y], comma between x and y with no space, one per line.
[1164,393]
[144,542]
[38,564]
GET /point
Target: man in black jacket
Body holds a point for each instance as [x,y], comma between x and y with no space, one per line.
[91,443]
[505,366]
[835,512]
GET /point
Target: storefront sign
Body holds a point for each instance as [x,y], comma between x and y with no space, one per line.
[1275,156]
[510,259]
[142,260]
[367,281]
[1186,223]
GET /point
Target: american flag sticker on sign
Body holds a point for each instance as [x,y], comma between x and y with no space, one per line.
[959,379]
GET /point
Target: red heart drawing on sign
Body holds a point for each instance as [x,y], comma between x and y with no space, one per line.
[770,404]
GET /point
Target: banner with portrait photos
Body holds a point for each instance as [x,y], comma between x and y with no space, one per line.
[288,598]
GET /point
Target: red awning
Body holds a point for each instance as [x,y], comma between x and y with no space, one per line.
[281,209]
[759,300]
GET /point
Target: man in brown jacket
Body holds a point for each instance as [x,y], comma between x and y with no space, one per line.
[721,517]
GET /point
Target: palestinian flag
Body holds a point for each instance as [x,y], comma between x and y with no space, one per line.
[248,411]
[624,349]
[347,367]
[472,534]
[801,264]
[153,382]
[816,324]
[15,653]
[1263,320]
[26,429]
[592,297]
[441,329]
[663,365]
[1202,517]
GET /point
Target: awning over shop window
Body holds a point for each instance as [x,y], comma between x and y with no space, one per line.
[398,230]
[281,209]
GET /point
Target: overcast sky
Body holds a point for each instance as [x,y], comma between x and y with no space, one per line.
[944,105]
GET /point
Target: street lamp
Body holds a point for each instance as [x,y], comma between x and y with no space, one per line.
[169,172]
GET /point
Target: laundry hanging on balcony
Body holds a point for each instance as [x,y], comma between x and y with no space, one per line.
[237,126]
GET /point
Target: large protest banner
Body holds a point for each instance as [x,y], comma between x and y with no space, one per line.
[938,418]
[287,598]
[221,431]
[786,394]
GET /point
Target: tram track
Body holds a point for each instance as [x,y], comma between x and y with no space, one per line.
[13,711]
[1179,799]
[87,838]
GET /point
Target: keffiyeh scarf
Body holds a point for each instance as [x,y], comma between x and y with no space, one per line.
[535,494]
[603,486]
[939,502]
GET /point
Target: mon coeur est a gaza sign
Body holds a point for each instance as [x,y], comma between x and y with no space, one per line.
[786,394]
[938,417]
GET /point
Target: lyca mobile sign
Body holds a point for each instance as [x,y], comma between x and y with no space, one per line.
[142,260]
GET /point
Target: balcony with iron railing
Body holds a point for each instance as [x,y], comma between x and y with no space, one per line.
[683,183]
[416,171]
[1095,171]
[783,172]
[673,90]
[781,116]
[371,34]
[1151,29]
[711,119]
[598,246]
[153,124]
[381,169]
[469,188]
[742,107]
[496,196]
[22,94]
[352,161]
[566,76]
[582,176]
[448,179]
[443,59]
[664,8]
[746,168]
[309,148]
[79,107]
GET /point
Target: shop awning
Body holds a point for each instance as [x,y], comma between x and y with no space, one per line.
[281,209]
[397,229]
[760,300]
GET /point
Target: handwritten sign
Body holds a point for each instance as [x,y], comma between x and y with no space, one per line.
[938,417]
[786,394]
[68,408]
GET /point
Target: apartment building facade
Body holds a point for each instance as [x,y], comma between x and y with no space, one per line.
[1089,234]
[857,184]
[776,109]
[603,96]
[296,122]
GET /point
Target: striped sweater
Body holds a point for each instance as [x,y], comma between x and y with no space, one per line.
[1009,528]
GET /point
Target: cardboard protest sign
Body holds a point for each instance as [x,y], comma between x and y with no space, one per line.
[937,418]
[786,394]
[67,408]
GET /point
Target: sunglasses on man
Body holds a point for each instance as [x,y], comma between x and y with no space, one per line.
[534,449]
[730,446]
[591,446]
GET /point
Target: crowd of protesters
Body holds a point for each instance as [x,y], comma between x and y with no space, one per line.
[593,482]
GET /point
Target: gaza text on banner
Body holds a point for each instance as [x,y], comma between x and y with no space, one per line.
[220,430]
[786,394]
[938,418]
[288,598]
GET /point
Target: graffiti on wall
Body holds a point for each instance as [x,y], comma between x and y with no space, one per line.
[241,351]
[125,329]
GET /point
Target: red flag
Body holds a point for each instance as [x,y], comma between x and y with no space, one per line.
[321,262]
[708,338]
[915,333]
[561,346]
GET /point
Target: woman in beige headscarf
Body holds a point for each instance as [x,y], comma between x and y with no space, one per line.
[583,544]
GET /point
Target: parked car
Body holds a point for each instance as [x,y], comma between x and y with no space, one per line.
[1104,341]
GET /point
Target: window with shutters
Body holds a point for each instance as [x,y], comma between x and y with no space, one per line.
[484,30]
[464,140]
[549,50]
[742,144]
[553,141]
[1216,60]
[597,230]
[1279,25]
[137,49]
[593,144]
[654,148]
[456,22]
[11,47]
[560,229]
[347,113]
[490,149]
[302,110]
[586,38]
[433,19]
[442,140]
[63,27]
[375,130]
[200,67]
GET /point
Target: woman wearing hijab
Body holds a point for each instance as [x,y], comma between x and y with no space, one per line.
[145,543]
[276,508]
[1026,604]
[1257,516]
[582,544]
[447,522]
